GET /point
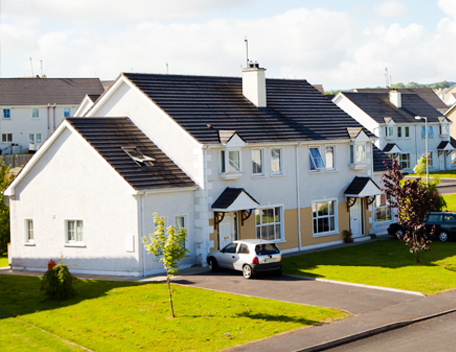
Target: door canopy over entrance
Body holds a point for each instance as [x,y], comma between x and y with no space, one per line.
[231,200]
[361,187]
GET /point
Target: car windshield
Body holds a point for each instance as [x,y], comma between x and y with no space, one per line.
[265,249]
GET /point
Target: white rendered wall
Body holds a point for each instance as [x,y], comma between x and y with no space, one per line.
[72,181]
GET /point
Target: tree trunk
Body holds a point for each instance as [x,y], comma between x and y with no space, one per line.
[168,280]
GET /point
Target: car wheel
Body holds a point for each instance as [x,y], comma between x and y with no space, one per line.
[247,271]
[443,236]
[399,233]
[214,265]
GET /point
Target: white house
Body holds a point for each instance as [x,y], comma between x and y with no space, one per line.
[392,117]
[32,107]
[257,158]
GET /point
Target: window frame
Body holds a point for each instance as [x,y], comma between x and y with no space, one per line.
[389,132]
[29,239]
[185,227]
[313,162]
[334,157]
[407,132]
[4,113]
[430,159]
[335,216]
[431,131]
[281,223]
[37,110]
[225,161]
[261,165]
[6,137]
[386,206]
[65,111]
[74,242]
[280,172]
[399,132]
[404,160]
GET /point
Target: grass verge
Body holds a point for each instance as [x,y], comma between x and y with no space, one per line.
[382,263]
[450,200]
[441,174]
[123,316]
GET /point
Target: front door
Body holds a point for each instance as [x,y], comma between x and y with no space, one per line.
[227,230]
[442,160]
[356,218]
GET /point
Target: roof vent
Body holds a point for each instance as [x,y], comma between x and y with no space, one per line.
[138,157]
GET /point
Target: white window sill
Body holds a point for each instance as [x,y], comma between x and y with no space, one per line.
[325,234]
[29,244]
[277,175]
[444,135]
[80,245]
[230,175]
[317,171]
[331,170]
[358,166]
[259,176]
[389,138]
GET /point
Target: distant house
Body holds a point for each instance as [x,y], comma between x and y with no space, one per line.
[392,117]
[226,157]
[450,114]
[448,95]
[32,107]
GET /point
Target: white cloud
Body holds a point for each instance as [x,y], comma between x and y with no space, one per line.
[449,7]
[391,9]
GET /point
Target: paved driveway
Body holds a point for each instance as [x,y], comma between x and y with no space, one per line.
[353,299]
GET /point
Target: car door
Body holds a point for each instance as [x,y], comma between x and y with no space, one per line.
[449,224]
[228,256]
[432,220]
[242,256]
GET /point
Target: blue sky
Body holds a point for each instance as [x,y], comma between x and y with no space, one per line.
[340,44]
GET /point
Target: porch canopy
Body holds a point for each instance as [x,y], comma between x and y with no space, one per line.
[233,199]
[360,187]
[392,148]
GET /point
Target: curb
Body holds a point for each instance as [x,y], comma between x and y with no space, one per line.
[380,288]
[369,333]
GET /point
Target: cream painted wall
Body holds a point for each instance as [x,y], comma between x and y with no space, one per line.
[21,123]
[71,181]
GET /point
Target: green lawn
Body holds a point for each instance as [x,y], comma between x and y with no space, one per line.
[121,316]
[3,261]
[450,199]
[382,263]
[441,174]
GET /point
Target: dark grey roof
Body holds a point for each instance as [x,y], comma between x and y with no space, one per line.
[427,94]
[109,134]
[203,106]
[93,97]
[228,196]
[378,106]
[43,91]
[379,158]
[388,147]
[442,145]
[358,184]
[453,142]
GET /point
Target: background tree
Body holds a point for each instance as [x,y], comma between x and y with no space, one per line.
[412,201]
[5,180]
[169,247]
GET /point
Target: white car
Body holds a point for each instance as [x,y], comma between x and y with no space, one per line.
[248,256]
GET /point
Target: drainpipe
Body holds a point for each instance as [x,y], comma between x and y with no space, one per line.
[298,195]
[48,117]
[206,242]
[54,115]
[142,235]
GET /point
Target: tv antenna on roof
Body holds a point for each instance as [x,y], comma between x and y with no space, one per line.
[246,52]
[31,65]
[388,78]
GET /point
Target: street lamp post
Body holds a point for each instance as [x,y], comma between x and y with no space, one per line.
[427,145]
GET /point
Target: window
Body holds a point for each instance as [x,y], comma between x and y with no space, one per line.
[74,231]
[232,163]
[180,224]
[453,158]
[407,131]
[324,217]
[139,158]
[7,137]
[66,112]
[430,159]
[389,131]
[423,132]
[243,248]
[6,113]
[399,132]
[35,113]
[382,208]
[404,160]
[276,161]
[431,131]
[357,153]
[257,161]
[34,140]
[269,223]
[231,248]
[29,230]
[330,157]
[316,161]
[443,129]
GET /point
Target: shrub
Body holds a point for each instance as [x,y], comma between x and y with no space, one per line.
[58,283]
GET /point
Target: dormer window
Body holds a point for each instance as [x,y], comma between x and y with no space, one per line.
[230,164]
[138,157]
[389,132]
[444,129]
[357,156]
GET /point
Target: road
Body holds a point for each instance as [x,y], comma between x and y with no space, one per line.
[437,334]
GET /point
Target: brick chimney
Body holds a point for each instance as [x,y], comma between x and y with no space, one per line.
[395,98]
[254,84]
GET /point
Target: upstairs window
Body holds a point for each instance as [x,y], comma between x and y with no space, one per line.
[407,131]
[230,161]
[35,113]
[276,161]
[399,132]
[66,112]
[389,131]
[443,129]
[431,131]
[357,153]
[138,157]
[330,157]
[316,161]
[6,114]
[257,162]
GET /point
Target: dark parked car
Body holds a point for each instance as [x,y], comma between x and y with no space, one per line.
[444,222]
